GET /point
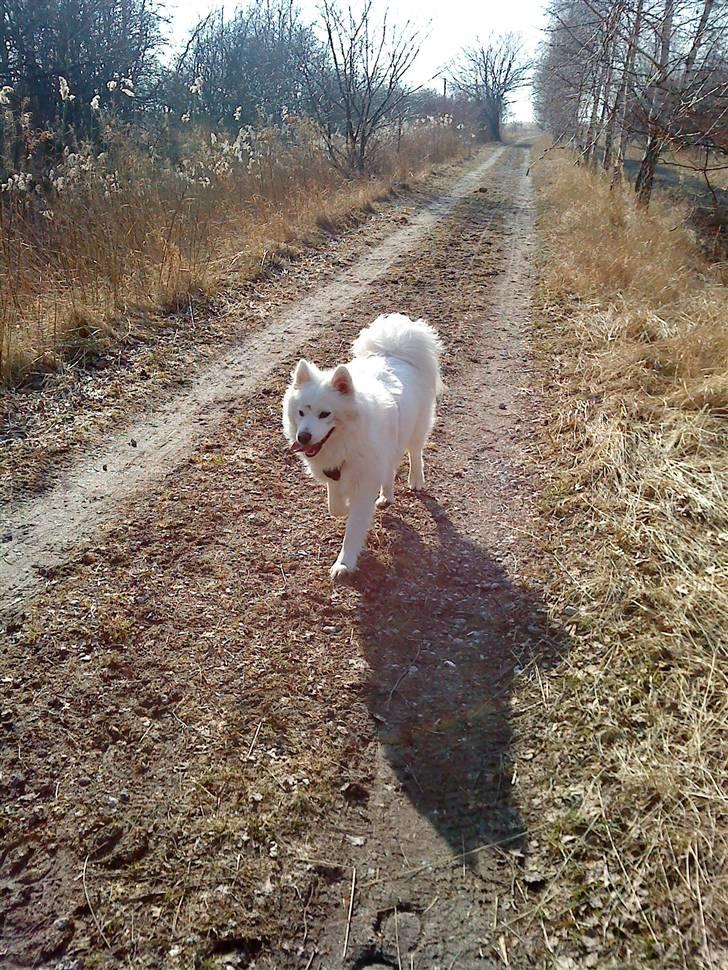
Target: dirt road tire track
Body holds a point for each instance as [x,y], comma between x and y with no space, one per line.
[215,737]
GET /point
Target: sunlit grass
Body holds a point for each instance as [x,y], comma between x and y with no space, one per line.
[633,331]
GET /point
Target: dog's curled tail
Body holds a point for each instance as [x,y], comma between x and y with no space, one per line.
[395,335]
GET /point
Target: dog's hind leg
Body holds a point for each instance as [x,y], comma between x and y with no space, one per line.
[386,492]
[415,448]
[416,480]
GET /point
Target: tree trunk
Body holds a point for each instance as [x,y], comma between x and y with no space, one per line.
[491,113]
[697,41]
[609,141]
[624,92]
[490,129]
[609,110]
[646,174]
[592,135]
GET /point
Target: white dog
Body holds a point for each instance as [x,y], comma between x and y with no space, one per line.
[353,424]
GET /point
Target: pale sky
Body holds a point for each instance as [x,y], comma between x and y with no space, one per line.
[450,24]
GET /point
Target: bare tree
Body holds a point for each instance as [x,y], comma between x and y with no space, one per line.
[490,74]
[683,73]
[619,72]
[356,87]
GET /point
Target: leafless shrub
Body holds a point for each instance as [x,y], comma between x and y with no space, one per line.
[357,87]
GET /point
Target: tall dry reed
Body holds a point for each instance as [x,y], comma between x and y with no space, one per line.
[102,237]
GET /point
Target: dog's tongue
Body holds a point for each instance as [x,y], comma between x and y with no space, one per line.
[309,451]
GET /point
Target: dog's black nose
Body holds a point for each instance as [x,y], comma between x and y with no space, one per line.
[304,437]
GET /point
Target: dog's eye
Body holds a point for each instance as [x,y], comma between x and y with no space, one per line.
[324,414]
[300,413]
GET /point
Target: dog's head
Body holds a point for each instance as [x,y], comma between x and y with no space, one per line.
[316,406]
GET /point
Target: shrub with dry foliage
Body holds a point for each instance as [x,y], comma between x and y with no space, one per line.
[633,778]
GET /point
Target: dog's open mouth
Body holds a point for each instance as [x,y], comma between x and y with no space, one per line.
[310,451]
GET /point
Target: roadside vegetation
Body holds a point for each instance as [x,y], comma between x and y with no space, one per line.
[631,308]
[630,76]
[632,778]
[118,236]
[133,181]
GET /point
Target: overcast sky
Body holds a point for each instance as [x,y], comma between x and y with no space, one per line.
[450,25]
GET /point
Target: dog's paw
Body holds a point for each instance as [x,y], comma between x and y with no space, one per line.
[416,485]
[382,502]
[340,572]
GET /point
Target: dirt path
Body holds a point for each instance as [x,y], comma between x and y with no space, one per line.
[435,847]
[48,530]
[205,739]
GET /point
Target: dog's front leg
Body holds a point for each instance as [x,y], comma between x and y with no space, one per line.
[338,502]
[357,526]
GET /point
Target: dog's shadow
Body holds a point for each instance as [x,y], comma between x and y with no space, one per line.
[445,639]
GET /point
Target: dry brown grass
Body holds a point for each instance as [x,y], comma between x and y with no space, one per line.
[632,782]
[122,236]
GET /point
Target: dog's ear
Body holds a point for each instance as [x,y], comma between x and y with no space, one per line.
[341,380]
[302,373]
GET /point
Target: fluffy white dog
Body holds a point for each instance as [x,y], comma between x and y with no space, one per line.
[352,425]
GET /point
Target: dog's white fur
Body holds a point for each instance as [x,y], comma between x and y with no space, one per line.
[374,408]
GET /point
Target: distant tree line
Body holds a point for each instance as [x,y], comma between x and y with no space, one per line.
[93,45]
[615,73]
[68,66]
